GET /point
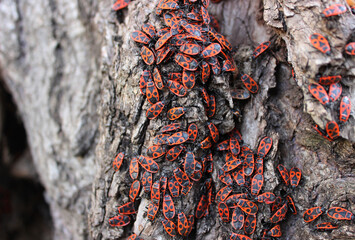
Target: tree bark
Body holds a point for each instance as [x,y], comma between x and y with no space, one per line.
[73,73]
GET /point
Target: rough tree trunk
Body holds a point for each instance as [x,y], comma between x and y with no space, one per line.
[73,73]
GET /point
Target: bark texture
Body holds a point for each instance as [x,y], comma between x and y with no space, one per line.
[73,73]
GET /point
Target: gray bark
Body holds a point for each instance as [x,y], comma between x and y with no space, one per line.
[73,73]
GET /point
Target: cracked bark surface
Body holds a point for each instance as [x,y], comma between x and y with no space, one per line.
[73,73]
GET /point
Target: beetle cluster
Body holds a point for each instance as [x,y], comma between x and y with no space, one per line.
[192,45]
[318,90]
[336,213]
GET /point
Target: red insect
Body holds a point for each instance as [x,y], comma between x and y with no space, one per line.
[284,173]
[201,207]
[168,207]
[214,131]
[232,164]
[169,227]
[119,221]
[186,61]
[152,93]
[127,209]
[275,231]
[247,206]
[257,183]
[152,211]
[345,109]
[163,184]
[148,55]
[140,37]
[149,29]
[178,138]
[239,177]
[291,205]
[174,152]
[183,224]
[335,90]
[155,110]
[206,72]
[211,110]
[239,94]
[320,43]
[264,147]
[174,187]
[250,83]
[134,190]
[190,49]
[237,219]
[248,164]
[326,226]
[158,79]
[311,214]
[118,161]
[333,10]
[155,193]
[260,49]
[339,213]
[120,4]
[350,48]
[147,181]
[188,79]
[163,40]
[211,50]
[176,88]
[160,139]
[144,79]
[192,131]
[148,164]
[235,236]
[162,54]
[189,163]
[249,224]
[280,214]
[332,129]
[223,211]
[327,80]
[234,145]
[171,127]
[223,193]
[266,197]
[181,177]
[205,16]
[295,176]
[156,151]
[134,168]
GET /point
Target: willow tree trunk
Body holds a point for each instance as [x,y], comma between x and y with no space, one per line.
[73,73]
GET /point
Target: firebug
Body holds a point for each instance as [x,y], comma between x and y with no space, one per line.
[320,43]
[119,221]
[118,161]
[311,214]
